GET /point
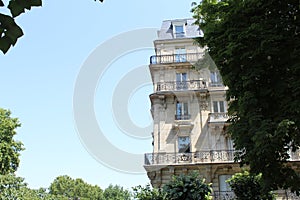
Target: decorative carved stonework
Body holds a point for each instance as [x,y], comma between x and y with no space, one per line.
[151,175]
[203,105]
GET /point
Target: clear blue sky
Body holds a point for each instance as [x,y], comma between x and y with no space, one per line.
[38,77]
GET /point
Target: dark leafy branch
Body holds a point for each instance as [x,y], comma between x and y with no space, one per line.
[10,31]
[256,46]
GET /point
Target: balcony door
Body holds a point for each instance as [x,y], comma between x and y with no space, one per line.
[215,78]
[180,55]
[225,191]
[181,81]
[223,185]
[184,144]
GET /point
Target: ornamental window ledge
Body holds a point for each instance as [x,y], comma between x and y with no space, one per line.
[182,124]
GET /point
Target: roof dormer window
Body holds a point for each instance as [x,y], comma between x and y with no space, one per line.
[179,29]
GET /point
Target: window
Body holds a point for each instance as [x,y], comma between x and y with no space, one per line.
[218,106]
[180,55]
[184,144]
[223,185]
[229,143]
[182,111]
[181,81]
[179,31]
[215,79]
[181,77]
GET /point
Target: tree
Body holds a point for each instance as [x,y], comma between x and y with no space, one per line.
[187,187]
[248,187]
[148,193]
[256,46]
[116,193]
[10,186]
[66,187]
[14,188]
[9,148]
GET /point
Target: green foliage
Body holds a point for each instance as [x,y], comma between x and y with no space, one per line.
[11,186]
[148,193]
[205,62]
[14,188]
[9,148]
[187,187]
[116,193]
[249,187]
[10,32]
[66,187]
[256,46]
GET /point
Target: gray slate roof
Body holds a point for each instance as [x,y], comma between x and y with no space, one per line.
[191,31]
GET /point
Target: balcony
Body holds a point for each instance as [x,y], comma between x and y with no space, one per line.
[182,117]
[176,58]
[216,84]
[199,157]
[181,85]
[213,156]
[220,117]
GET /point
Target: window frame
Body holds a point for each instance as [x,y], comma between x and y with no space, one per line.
[182,110]
[218,107]
[178,34]
[187,148]
[180,54]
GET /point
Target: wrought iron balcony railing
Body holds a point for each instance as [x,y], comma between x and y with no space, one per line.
[223,195]
[213,156]
[182,117]
[216,84]
[175,58]
[181,85]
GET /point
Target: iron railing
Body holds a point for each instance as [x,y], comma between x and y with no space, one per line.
[213,156]
[176,58]
[223,195]
[216,84]
[182,117]
[181,85]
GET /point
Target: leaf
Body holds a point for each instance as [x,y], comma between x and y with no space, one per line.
[36,2]
[1,3]
[5,44]
[18,7]
[15,8]
[9,32]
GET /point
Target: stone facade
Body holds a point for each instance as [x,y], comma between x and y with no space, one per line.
[189,111]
